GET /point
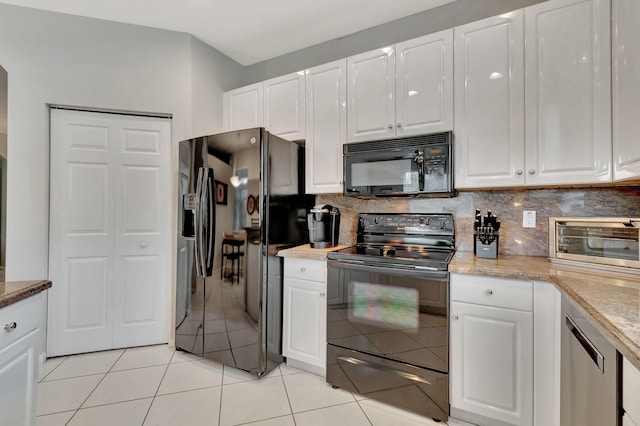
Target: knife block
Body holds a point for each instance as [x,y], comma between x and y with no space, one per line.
[486,245]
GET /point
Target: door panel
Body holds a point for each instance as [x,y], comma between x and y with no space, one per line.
[568,92]
[243,108]
[371,95]
[87,295]
[284,106]
[88,200]
[489,90]
[326,94]
[140,197]
[424,75]
[492,362]
[138,307]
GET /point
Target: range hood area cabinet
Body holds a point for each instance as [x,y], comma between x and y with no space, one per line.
[524,116]
[401,90]
[276,104]
[534,113]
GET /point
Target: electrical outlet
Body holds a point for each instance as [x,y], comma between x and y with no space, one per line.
[529,219]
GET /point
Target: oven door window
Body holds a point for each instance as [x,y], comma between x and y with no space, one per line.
[398,314]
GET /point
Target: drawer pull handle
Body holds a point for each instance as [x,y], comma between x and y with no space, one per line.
[10,327]
[303,269]
[321,294]
[489,291]
[455,317]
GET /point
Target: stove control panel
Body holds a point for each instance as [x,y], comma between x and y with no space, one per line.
[422,223]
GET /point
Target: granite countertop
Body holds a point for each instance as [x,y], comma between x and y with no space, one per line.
[306,252]
[15,291]
[611,301]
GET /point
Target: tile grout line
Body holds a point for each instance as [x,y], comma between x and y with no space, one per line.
[96,387]
[158,388]
[362,409]
[286,392]
[224,367]
[54,368]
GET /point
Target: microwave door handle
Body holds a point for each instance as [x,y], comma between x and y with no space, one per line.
[419,160]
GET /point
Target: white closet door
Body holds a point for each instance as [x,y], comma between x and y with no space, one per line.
[109,231]
[142,244]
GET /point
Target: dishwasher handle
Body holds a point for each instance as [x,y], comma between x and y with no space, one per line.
[586,344]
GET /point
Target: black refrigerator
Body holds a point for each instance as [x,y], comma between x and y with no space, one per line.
[240,200]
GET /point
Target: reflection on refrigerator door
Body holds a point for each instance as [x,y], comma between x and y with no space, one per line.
[232,315]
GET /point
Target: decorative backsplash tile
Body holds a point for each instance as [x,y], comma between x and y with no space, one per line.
[506,204]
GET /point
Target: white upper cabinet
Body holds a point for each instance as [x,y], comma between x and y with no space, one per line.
[371,92]
[424,84]
[276,104]
[626,89]
[568,92]
[489,102]
[243,107]
[284,106]
[326,98]
[419,71]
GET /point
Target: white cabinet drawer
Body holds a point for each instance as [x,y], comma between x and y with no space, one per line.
[489,291]
[305,269]
[631,390]
[18,319]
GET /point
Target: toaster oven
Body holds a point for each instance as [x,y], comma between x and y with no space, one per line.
[599,241]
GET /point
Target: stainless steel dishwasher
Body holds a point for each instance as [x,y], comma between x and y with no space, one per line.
[589,392]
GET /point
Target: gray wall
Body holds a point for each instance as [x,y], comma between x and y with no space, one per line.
[437,19]
[54,58]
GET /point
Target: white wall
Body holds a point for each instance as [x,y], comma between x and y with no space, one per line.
[61,59]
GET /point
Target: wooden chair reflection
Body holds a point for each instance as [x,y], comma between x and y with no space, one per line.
[231,256]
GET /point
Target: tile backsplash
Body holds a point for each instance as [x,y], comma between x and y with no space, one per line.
[508,205]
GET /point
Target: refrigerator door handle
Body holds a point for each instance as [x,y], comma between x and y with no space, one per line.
[199,252]
[211,222]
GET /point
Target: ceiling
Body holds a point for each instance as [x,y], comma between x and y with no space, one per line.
[248,31]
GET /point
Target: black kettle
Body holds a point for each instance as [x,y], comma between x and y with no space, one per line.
[323,221]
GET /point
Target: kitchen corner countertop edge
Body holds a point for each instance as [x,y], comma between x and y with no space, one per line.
[611,302]
[306,252]
[14,291]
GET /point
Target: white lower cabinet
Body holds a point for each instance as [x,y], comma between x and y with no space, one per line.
[305,314]
[21,341]
[492,357]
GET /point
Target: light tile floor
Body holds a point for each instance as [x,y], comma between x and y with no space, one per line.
[156,385]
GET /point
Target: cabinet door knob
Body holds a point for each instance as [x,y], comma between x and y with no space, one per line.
[518,172]
[399,125]
[489,291]
[303,269]
[454,317]
[10,327]
[321,294]
[391,126]
[143,244]
[532,172]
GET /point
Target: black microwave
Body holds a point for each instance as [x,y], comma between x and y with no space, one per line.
[410,166]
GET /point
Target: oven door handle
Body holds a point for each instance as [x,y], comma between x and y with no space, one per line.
[368,267]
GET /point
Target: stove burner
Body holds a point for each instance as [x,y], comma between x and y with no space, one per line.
[387,251]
